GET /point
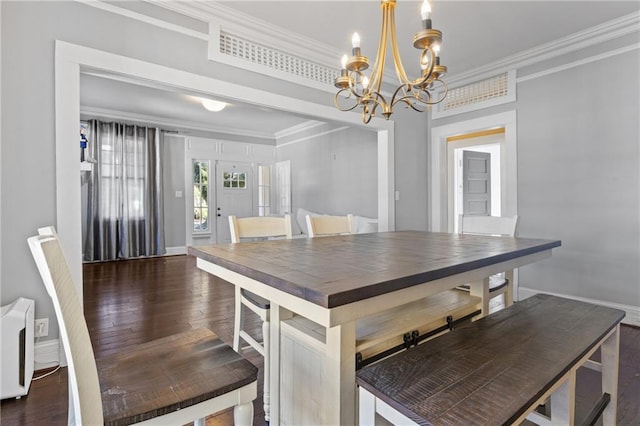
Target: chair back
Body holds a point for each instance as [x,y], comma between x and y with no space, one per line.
[329,225]
[259,227]
[85,402]
[489,225]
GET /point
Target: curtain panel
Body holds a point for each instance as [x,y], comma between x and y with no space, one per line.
[123,197]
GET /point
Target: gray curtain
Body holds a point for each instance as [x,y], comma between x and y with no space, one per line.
[124,199]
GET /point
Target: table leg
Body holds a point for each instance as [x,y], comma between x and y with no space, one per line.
[481,289]
[340,380]
[277,314]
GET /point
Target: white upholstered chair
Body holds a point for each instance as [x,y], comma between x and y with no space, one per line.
[257,227]
[142,383]
[329,225]
[502,283]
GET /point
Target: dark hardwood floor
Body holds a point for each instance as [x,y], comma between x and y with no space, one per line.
[131,302]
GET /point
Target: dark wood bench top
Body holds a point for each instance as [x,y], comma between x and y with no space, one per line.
[493,370]
[173,372]
[334,271]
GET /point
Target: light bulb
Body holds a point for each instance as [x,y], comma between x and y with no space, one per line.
[436,48]
[355,40]
[345,58]
[426,10]
[365,81]
[213,106]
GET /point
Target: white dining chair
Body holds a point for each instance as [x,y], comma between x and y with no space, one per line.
[329,225]
[178,379]
[256,228]
[502,283]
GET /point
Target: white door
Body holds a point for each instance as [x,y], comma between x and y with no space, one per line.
[476,183]
[234,195]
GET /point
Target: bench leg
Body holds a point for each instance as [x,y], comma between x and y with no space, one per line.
[563,401]
[609,355]
[366,407]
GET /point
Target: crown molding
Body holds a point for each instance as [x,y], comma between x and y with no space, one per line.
[610,30]
[170,124]
[307,125]
[252,28]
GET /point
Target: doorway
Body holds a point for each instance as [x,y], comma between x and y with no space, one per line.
[444,141]
[475,174]
[71,60]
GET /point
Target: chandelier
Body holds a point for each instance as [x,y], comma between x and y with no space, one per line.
[358,90]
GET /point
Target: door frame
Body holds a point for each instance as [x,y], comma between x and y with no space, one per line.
[72,59]
[438,220]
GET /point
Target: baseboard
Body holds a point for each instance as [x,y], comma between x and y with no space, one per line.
[633,312]
[47,354]
[173,251]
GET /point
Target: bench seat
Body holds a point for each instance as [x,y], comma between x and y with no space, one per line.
[497,370]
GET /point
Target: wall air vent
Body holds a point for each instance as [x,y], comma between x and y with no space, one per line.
[486,93]
[257,54]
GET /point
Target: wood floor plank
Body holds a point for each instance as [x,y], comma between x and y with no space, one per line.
[127,287]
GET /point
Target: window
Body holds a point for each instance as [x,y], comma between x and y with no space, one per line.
[200,196]
[234,180]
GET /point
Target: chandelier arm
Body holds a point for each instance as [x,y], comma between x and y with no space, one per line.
[426,73]
[397,60]
[381,54]
[412,102]
[337,104]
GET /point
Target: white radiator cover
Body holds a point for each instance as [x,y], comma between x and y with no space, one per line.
[16,353]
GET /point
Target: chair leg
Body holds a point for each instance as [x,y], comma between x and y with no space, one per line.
[200,422]
[266,341]
[508,292]
[243,414]
[237,320]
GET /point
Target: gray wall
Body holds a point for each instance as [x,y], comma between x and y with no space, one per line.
[335,173]
[578,180]
[578,162]
[28,33]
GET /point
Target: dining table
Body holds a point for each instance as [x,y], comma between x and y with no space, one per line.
[319,288]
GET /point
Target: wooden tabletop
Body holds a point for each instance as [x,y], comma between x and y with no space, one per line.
[334,271]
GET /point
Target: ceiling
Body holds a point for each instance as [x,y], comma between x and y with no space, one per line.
[475,33]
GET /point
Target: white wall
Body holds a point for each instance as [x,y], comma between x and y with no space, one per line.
[334,172]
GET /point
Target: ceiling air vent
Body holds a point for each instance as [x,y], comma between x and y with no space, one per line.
[262,55]
[486,93]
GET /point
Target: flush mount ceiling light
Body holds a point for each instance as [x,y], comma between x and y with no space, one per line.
[358,90]
[214,106]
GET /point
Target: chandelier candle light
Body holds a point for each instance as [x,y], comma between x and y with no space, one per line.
[359,90]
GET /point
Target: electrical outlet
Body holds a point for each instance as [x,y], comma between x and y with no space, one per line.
[41,327]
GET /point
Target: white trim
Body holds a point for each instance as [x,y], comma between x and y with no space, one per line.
[214,54]
[170,124]
[71,58]
[145,18]
[302,127]
[174,251]
[437,113]
[580,62]
[47,354]
[633,312]
[306,138]
[438,185]
[595,35]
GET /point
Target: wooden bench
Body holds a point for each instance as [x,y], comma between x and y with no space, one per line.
[499,369]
